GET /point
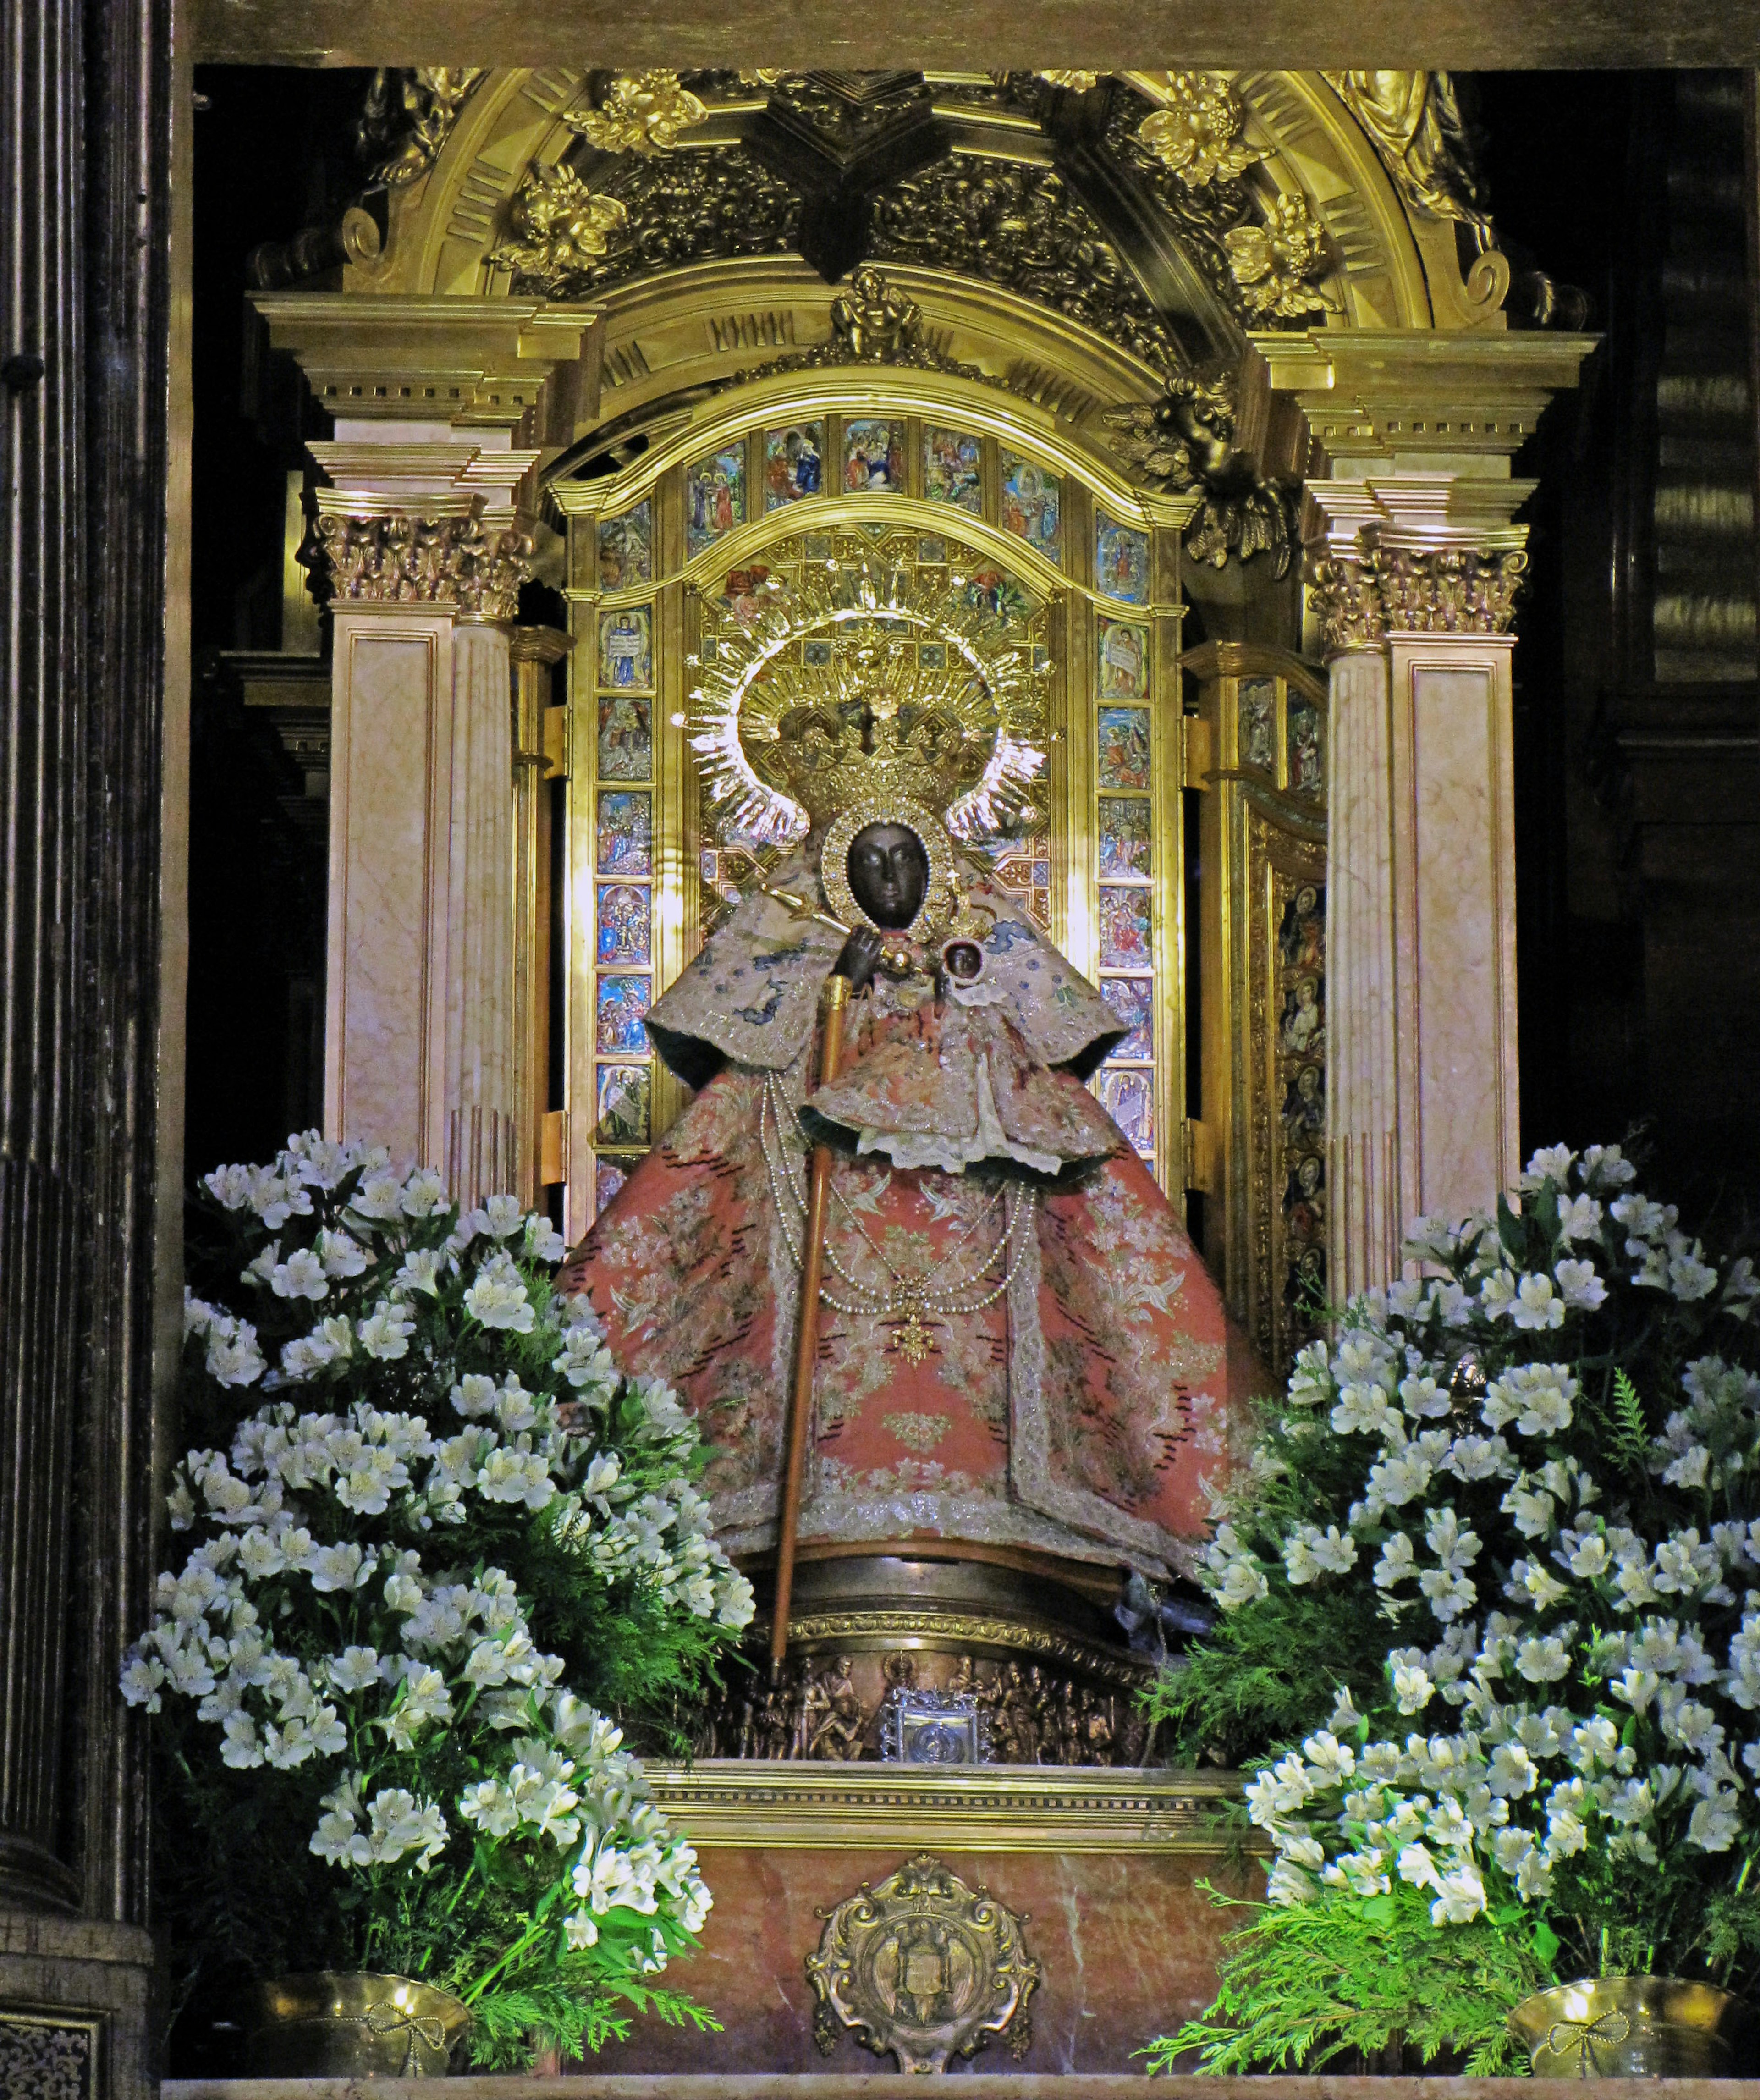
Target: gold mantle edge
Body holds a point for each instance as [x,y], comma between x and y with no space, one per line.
[723,1802]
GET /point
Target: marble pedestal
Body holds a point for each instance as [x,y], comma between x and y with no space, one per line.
[1104,1863]
[75,2005]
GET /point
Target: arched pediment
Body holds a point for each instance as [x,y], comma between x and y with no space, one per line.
[1153,219]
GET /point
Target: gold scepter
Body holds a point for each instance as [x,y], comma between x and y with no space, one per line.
[836,999]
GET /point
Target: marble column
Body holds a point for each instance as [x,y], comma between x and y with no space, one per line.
[86,1045]
[1422,1091]
[419,1036]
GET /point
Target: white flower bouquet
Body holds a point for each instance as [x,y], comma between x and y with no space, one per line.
[1500,1545]
[451,1533]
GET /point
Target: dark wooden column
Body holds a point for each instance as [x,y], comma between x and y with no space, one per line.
[84,192]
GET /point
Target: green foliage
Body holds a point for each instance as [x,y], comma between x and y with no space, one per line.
[1303,1983]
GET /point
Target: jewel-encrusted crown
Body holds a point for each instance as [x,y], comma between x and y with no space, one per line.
[877,725]
[787,744]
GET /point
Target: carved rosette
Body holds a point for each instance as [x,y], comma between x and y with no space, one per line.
[1363,600]
[923,1966]
[475,568]
[1197,133]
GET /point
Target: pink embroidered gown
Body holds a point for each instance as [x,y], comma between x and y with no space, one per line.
[1073,1401]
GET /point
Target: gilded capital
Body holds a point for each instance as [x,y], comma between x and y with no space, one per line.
[472,567]
[1365,598]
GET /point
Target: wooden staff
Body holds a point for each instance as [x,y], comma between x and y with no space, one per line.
[806,1335]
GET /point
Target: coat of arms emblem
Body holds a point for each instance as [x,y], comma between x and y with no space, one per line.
[923,1966]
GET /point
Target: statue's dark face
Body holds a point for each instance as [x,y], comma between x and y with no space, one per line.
[888,874]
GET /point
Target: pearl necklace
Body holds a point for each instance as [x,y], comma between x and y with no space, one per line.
[909,1298]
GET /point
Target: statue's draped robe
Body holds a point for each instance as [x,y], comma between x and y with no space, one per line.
[1079,1415]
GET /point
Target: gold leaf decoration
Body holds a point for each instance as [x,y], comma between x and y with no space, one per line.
[558,226]
[1078,83]
[1198,134]
[642,112]
[1272,264]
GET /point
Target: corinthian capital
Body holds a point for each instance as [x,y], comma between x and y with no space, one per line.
[1365,598]
[401,558]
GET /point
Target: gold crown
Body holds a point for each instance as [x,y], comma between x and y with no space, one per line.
[788,744]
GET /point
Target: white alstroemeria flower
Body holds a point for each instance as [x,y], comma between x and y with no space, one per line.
[1581,1288]
[1537,1397]
[1397,1479]
[385,1331]
[300,1276]
[1544,1658]
[354,1669]
[1715,1823]
[424,1193]
[1689,1470]
[1309,1553]
[421,1270]
[1423,1398]
[399,1824]
[1413,1688]
[1552,1162]
[1530,1580]
[342,1567]
[498,1298]
[1690,1277]
[1497,1293]
[341,1255]
[501,1217]
[1536,1305]
[492,1807]
[1580,1219]
[1605,1167]
[1330,1761]
[1585,1554]
[1513,1771]
[1472,1457]
[543,1241]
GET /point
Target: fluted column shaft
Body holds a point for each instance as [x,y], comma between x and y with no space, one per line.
[419,1038]
[1422,1086]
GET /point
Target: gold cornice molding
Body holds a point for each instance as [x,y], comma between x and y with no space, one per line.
[486,364]
[1410,400]
[724,1802]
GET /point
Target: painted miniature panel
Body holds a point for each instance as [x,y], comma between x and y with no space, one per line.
[715,498]
[625,923]
[794,464]
[1259,724]
[1308,765]
[1124,660]
[1124,838]
[953,468]
[996,591]
[1133,1000]
[1301,1017]
[621,1003]
[1121,560]
[1128,1097]
[609,1175]
[1031,506]
[1124,748]
[626,737]
[625,833]
[626,549]
[874,457]
[624,1101]
[626,649]
[1124,929]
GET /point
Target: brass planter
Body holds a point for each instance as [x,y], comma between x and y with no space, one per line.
[1635,2027]
[332,2025]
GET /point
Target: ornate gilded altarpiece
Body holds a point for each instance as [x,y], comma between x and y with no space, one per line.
[1259,757]
[798,519]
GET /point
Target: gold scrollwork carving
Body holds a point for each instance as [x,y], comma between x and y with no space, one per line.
[642,112]
[559,226]
[1273,264]
[1343,593]
[925,1967]
[873,323]
[402,148]
[1197,133]
[1185,441]
[475,568]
